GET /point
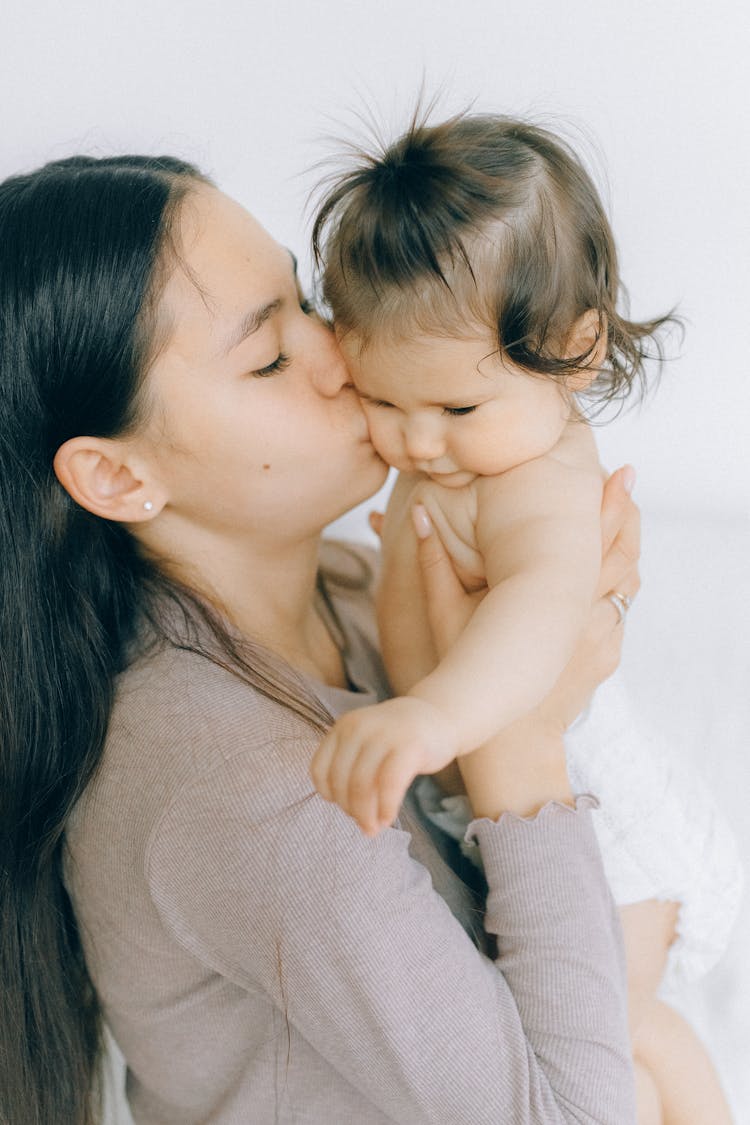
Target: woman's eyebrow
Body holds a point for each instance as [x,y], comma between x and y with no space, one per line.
[251,323]
[257,317]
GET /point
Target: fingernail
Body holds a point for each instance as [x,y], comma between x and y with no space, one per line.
[629,478]
[421,521]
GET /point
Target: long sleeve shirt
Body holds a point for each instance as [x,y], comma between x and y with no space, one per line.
[260,961]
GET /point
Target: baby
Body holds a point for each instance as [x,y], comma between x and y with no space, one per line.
[473,278]
[473,281]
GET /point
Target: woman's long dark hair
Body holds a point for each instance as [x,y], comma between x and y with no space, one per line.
[84,249]
[79,244]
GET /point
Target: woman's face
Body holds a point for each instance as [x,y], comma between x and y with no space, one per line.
[254,427]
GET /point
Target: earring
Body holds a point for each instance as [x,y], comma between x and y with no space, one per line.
[148,506]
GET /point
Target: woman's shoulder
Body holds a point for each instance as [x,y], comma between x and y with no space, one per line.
[348,576]
[194,707]
[182,721]
[349,566]
[177,718]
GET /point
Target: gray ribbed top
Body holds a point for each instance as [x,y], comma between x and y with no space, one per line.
[261,961]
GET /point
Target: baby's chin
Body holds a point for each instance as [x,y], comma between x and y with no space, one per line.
[457,479]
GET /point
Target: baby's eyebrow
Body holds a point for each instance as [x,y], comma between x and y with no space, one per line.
[446,404]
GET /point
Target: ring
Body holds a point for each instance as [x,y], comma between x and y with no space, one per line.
[622,604]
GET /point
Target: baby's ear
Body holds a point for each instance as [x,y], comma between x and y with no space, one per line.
[588,334]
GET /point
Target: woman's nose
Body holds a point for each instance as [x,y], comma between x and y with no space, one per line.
[329,372]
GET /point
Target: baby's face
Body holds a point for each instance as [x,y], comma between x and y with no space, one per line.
[452,408]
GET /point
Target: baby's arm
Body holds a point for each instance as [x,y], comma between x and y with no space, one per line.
[538,530]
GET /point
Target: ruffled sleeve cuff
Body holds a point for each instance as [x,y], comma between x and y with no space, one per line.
[546,819]
[544,871]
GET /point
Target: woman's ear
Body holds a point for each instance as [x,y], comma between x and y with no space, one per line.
[102,476]
[588,332]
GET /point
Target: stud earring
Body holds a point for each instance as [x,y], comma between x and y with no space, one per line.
[148,506]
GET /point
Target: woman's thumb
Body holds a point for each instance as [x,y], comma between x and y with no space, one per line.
[439,579]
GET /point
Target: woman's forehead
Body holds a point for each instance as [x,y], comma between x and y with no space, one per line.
[227,266]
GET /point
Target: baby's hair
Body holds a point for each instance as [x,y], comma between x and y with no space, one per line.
[479,221]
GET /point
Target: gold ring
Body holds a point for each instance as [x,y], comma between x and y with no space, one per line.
[622,604]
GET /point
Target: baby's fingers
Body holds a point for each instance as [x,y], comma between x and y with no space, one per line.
[321,764]
[345,776]
[396,775]
[363,793]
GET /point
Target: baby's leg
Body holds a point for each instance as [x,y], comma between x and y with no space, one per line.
[676,1081]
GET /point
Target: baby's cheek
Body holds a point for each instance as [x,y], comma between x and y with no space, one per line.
[505,447]
[485,455]
[385,438]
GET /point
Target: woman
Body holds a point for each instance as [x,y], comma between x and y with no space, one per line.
[177,430]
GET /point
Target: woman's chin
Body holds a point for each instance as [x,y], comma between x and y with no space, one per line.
[362,483]
[377,476]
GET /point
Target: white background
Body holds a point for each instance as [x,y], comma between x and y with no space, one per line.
[655,95]
[250,90]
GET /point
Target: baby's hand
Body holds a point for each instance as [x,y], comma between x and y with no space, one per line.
[369,758]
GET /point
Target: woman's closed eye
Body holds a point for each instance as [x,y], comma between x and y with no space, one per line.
[278,364]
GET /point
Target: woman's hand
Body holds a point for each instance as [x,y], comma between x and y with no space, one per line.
[449,604]
[599,648]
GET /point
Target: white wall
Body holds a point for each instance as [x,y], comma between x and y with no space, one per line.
[249,90]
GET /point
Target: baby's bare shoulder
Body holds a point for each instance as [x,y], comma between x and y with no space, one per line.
[576,449]
[563,483]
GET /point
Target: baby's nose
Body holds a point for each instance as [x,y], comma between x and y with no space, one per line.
[424,442]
